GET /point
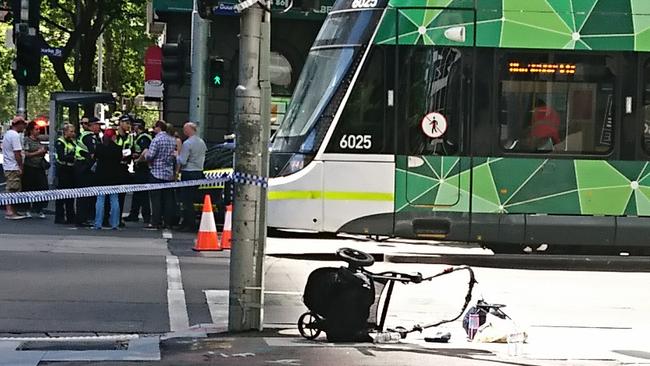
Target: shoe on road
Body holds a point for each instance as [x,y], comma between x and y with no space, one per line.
[151,227]
[15,217]
[40,215]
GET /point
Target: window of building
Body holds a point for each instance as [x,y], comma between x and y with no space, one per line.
[557,103]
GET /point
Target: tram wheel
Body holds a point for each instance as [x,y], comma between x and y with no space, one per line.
[308,325]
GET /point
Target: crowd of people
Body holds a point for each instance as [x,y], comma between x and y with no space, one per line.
[96,157]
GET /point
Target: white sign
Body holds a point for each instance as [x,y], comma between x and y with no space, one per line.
[434,125]
[153,89]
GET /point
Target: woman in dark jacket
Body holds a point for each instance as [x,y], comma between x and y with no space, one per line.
[108,156]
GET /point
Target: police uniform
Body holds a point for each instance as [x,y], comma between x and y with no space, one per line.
[84,176]
[141,199]
[64,153]
[125,142]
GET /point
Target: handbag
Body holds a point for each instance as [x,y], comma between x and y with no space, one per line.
[45,165]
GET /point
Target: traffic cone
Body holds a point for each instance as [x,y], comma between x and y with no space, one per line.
[207,237]
[226,238]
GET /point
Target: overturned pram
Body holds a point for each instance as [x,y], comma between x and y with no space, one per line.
[349,303]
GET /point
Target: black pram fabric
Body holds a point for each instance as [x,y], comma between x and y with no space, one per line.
[343,298]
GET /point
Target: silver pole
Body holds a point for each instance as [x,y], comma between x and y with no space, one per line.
[21,101]
[100,63]
[246,257]
[198,60]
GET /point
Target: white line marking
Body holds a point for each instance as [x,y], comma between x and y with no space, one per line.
[177,307]
[167,234]
[218,305]
[288,293]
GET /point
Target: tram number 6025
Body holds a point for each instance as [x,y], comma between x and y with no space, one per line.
[356,4]
[356,142]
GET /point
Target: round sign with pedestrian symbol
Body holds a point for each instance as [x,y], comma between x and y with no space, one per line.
[434,125]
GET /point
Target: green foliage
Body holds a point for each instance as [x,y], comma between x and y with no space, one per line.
[7,83]
[123,24]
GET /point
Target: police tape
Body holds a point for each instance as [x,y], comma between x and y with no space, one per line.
[211,180]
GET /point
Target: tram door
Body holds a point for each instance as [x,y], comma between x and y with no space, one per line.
[432,108]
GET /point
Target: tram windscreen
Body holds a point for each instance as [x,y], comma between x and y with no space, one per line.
[320,77]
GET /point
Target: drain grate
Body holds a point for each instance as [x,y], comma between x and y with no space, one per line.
[74,346]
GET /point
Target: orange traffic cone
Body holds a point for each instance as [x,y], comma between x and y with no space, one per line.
[207,237]
[226,239]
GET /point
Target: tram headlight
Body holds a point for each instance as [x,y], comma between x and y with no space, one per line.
[296,163]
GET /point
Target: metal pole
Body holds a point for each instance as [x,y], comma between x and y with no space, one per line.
[246,258]
[21,101]
[265,130]
[198,61]
[100,63]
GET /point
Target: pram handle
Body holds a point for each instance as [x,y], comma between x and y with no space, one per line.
[397,276]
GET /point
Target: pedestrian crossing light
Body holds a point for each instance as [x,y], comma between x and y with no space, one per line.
[217,69]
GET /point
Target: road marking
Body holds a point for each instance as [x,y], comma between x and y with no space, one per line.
[218,305]
[287,293]
[177,307]
[167,234]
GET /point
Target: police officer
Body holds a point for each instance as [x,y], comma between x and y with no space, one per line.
[125,142]
[64,153]
[141,168]
[84,176]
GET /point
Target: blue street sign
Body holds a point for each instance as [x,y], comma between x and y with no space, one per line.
[52,51]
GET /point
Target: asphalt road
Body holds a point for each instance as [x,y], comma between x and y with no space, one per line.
[55,280]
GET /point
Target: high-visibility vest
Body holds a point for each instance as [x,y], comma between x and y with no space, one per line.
[81,147]
[136,146]
[69,148]
[125,142]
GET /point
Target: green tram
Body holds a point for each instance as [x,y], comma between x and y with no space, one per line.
[509,123]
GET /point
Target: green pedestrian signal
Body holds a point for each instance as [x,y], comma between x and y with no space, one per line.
[217,69]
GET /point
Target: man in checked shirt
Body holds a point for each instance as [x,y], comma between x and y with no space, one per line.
[161,157]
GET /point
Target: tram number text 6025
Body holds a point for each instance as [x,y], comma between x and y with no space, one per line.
[356,4]
[356,142]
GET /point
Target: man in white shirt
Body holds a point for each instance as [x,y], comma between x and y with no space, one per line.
[12,165]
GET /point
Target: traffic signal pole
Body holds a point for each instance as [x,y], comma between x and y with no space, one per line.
[251,157]
[198,108]
[21,101]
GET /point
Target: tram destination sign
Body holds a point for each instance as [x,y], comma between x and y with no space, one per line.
[541,68]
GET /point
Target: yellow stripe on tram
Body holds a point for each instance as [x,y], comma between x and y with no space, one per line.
[332,196]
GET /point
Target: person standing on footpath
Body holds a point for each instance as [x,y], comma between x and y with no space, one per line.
[141,168]
[83,171]
[190,160]
[64,150]
[161,155]
[12,155]
[108,155]
[124,140]
[34,177]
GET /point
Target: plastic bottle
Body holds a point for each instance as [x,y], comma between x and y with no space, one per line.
[387,337]
[515,342]
[473,325]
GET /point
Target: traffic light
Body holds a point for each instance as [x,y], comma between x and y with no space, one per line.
[173,62]
[217,70]
[26,67]
[26,11]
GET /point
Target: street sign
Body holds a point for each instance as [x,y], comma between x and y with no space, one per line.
[52,51]
[434,125]
[239,7]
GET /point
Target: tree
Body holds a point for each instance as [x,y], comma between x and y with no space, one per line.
[7,83]
[75,26]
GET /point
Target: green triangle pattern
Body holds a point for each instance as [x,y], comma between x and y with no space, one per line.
[513,185]
[553,24]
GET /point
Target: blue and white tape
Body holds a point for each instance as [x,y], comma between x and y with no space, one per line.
[211,180]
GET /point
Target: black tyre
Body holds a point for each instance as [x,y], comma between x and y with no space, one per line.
[355,257]
[308,325]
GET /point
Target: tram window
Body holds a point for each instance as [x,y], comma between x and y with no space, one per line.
[557,103]
[361,126]
[429,81]
[646,108]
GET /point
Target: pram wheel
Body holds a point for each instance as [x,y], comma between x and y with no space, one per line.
[308,325]
[355,257]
